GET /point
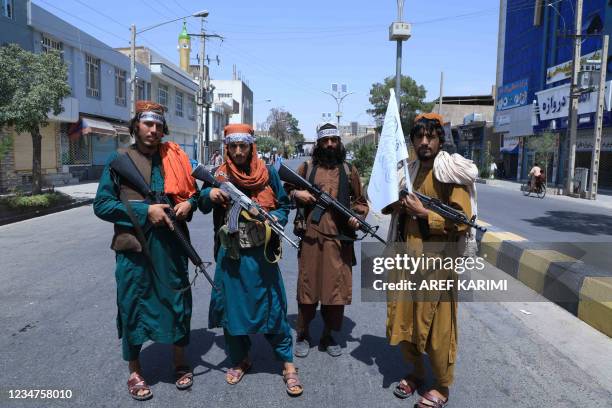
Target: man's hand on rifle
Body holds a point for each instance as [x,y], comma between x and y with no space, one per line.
[304,197]
[158,217]
[182,210]
[218,196]
[413,206]
[353,223]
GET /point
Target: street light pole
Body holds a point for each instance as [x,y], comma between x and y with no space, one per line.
[339,97]
[203,154]
[133,54]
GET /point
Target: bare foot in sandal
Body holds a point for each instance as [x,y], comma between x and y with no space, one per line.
[235,374]
[292,381]
[433,399]
[138,388]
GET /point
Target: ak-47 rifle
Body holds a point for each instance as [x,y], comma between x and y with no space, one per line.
[241,202]
[325,201]
[445,211]
[127,170]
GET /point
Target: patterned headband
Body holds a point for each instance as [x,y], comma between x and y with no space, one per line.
[327,133]
[151,116]
[239,137]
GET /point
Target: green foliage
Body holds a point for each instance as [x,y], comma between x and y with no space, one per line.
[265,144]
[284,127]
[6,142]
[364,159]
[412,100]
[24,202]
[31,85]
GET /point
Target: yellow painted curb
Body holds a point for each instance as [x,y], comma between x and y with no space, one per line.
[534,264]
[595,305]
[491,242]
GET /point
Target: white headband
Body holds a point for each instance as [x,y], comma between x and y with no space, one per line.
[150,116]
[327,133]
[239,137]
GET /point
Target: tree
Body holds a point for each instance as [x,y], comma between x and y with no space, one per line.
[266,144]
[543,146]
[283,127]
[31,86]
[412,100]
[364,159]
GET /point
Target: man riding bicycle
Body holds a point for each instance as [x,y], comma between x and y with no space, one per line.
[537,177]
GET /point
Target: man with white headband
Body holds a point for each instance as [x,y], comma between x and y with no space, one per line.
[251,295]
[326,254]
[150,306]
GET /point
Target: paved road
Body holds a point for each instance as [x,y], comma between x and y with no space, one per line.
[57,314]
[576,228]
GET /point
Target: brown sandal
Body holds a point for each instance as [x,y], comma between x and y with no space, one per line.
[137,383]
[292,380]
[244,366]
[183,373]
[435,401]
[406,387]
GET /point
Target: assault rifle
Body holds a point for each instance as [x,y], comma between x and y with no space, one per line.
[445,211]
[127,170]
[325,201]
[239,202]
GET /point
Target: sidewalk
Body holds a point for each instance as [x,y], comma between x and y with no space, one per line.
[604,198]
[85,191]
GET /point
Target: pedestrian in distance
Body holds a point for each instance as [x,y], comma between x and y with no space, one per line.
[216,160]
[326,255]
[428,326]
[150,264]
[251,295]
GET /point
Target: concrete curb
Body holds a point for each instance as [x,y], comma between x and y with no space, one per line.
[47,211]
[582,290]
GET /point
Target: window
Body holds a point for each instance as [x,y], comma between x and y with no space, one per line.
[120,87]
[7,8]
[225,95]
[191,107]
[179,103]
[49,44]
[92,70]
[162,95]
[143,89]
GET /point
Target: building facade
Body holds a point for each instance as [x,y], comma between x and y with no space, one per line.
[533,75]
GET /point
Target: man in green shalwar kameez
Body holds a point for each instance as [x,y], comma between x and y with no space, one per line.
[150,306]
[251,295]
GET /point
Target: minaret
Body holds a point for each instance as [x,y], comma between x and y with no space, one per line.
[184,48]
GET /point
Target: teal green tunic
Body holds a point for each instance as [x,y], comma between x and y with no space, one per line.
[148,309]
[251,297]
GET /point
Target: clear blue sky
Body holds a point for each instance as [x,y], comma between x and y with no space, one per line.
[290,51]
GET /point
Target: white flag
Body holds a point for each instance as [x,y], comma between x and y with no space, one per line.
[383,188]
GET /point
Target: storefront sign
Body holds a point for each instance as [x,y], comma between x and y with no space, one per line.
[512,95]
[564,71]
[554,102]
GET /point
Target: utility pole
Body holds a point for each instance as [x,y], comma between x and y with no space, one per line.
[204,95]
[599,120]
[203,151]
[399,31]
[441,93]
[574,94]
[133,71]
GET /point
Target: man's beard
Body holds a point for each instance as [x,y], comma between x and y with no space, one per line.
[329,156]
[422,156]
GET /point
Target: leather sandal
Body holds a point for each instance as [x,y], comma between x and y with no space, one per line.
[430,398]
[244,366]
[181,374]
[406,387]
[136,383]
[292,380]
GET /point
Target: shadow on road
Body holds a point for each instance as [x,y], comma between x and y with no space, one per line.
[571,221]
[156,359]
[316,329]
